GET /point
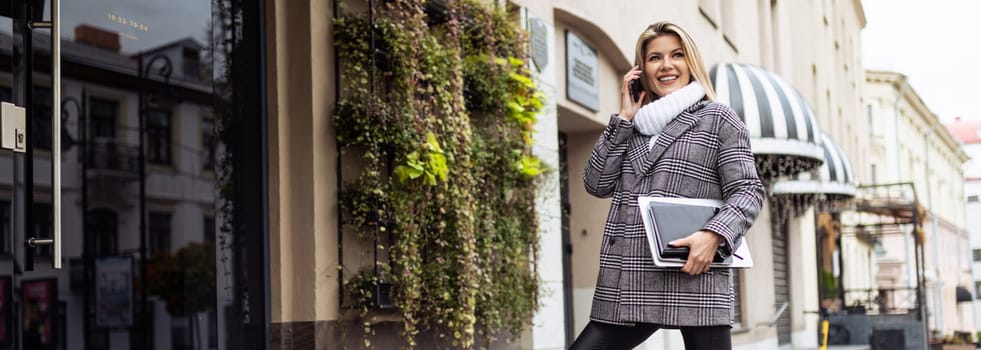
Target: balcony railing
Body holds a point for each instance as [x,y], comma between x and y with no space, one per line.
[113,156]
[891,301]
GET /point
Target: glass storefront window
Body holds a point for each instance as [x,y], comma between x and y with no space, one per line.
[156,100]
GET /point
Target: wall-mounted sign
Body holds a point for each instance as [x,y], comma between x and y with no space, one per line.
[539,43]
[581,72]
[38,301]
[114,292]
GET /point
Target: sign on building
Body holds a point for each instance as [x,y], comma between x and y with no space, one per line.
[581,72]
[114,292]
[539,43]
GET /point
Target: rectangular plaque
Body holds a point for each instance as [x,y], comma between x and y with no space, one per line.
[114,292]
[581,72]
[539,43]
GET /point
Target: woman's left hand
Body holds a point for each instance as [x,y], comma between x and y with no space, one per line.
[702,246]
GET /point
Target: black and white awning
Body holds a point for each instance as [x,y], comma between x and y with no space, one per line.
[834,177]
[784,133]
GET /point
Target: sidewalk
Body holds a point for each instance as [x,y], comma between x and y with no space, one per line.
[841,347]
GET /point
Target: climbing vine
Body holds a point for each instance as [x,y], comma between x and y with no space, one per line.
[440,107]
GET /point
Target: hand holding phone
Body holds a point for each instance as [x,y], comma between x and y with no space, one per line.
[631,93]
[635,89]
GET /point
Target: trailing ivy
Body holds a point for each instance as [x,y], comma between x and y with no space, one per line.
[442,115]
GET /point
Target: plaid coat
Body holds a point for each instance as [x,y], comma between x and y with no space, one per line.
[704,152]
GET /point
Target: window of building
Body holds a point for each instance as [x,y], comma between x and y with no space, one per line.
[41,118]
[103,232]
[192,63]
[977,289]
[159,231]
[158,145]
[207,143]
[977,255]
[102,118]
[209,229]
[972,198]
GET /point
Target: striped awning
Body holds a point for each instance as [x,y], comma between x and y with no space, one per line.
[834,177]
[783,131]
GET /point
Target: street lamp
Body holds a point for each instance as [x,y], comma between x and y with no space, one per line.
[164,70]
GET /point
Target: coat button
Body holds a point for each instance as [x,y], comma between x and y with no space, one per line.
[612,240]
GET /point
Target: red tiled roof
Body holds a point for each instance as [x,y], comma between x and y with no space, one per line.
[966,131]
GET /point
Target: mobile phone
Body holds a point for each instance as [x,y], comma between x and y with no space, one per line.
[635,89]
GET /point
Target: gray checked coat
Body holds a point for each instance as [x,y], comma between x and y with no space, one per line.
[704,152]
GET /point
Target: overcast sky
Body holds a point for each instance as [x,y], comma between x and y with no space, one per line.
[166,20]
[934,43]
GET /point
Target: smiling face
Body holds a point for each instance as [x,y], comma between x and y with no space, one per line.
[665,65]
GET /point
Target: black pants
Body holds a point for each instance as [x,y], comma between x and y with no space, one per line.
[598,335]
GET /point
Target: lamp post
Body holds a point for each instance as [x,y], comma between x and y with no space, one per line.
[164,70]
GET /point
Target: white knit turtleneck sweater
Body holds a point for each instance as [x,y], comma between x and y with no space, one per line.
[651,118]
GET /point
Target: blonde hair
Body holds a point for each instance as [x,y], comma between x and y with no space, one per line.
[692,57]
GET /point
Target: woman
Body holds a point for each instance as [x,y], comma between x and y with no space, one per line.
[674,141]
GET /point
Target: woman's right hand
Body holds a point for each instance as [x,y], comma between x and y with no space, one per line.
[629,108]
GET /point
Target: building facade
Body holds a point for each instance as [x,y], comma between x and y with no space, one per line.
[909,145]
[968,133]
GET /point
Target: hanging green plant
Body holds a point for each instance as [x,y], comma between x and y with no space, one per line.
[444,125]
[431,166]
[529,167]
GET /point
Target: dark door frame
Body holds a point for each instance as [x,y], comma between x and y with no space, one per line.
[566,238]
[250,160]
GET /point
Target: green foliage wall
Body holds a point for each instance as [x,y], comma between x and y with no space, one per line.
[442,117]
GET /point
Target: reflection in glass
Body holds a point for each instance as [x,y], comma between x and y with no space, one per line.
[144,223]
[102,118]
[41,118]
[102,227]
[158,136]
